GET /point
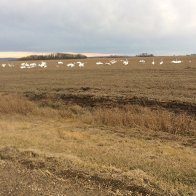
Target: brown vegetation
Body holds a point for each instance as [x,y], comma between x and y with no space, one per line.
[100,130]
[167,82]
[145,119]
[139,117]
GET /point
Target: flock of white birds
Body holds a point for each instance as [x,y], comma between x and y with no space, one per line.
[33,65]
[126,62]
[161,62]
[82,64]
[41,65]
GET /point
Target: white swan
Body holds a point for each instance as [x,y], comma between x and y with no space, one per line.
[99,63]
[43,65]
[153,62]
[70,65]
[126,62]
[142,61]
[161,63]
[80,64]
[176,61]
[113,61]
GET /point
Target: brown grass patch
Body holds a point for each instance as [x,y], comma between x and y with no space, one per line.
[139,117]
[10,104]
[143,118]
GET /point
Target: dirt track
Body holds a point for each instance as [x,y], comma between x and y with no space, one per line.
[28,173]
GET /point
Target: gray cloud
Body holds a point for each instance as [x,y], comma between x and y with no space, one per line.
[112,26]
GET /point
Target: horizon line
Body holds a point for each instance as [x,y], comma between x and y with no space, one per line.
[19,54]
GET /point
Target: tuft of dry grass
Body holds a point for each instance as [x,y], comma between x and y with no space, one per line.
[10,104]
[143,118]
[15,104]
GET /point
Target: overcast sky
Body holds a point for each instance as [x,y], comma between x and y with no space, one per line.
[101,26]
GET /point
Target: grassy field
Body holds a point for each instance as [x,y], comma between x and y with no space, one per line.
[99,130]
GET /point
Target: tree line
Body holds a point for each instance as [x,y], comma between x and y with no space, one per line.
[145,55]
[56,56]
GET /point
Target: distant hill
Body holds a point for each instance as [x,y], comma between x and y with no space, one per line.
[8,59]
[53,57]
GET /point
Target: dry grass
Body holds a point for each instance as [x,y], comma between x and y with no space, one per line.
[144,119]
[148,148]
[94,151]
[16,105]
[128,116]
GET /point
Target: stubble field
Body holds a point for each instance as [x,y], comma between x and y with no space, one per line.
[99,129]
